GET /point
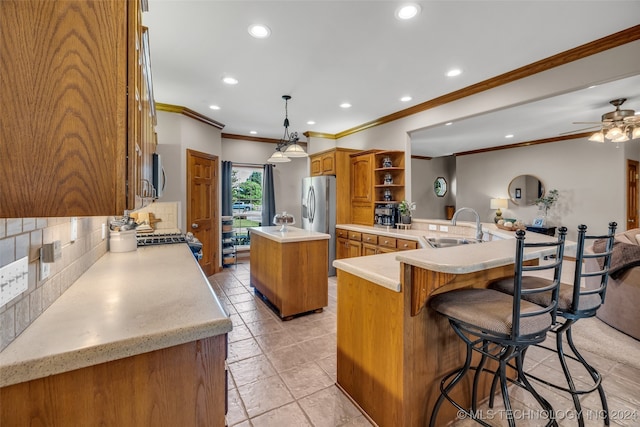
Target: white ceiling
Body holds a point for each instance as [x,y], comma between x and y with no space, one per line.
[323,53]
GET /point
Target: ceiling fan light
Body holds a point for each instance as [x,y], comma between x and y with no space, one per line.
[597,137]
[636,133]
[613,133]
[278,157]
[294,150]
[621,138]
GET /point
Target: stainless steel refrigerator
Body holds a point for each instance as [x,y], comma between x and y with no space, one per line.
[319,210]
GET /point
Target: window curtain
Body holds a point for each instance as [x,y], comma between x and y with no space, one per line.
[268,196]
[227,205]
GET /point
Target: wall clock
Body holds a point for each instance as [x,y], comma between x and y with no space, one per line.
[440,186]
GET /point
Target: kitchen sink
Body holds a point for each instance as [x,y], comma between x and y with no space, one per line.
[446,242]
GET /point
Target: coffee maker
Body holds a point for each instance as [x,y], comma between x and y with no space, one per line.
[386,214]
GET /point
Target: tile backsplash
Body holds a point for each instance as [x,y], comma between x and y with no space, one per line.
[20,237]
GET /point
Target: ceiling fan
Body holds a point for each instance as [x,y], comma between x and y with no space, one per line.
[616,126]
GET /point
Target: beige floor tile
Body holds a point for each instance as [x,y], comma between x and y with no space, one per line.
[243,350]
[239,332]
[236,412]
[265,326]
[329,408]
[287,357]
[288,415]
[264,395]
[255,316]
[250,370]
[329,364]
[276,340]
[306,379]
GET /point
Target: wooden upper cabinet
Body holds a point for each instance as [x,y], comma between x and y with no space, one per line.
[324,163]
[69,134]
[362,177]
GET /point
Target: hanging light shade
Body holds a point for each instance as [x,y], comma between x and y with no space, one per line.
[597,137]
[278,157]
[288,146]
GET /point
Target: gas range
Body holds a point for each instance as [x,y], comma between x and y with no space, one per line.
[160,239]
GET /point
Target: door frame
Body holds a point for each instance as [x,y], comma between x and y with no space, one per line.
[632,194]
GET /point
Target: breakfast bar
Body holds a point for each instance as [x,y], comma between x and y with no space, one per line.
[392,349]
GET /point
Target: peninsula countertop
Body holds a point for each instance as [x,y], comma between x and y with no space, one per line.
[124,305]
[292,234]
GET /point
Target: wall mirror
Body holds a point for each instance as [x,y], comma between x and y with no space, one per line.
[525,189]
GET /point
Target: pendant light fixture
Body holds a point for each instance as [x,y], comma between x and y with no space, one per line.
[288,146]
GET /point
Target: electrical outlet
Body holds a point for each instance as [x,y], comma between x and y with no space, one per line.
[444,228]
[74,229]
[45,270]
[433,227]
[104,231]
[14,280]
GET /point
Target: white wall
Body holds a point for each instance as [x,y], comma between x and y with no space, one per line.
[176,134]
[287,177]
[590,178]
[424,173]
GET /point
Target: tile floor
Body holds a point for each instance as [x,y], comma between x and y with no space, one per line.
[284,373]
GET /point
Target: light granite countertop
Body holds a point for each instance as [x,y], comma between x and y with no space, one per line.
[125,304]
[292,234]
[384,269]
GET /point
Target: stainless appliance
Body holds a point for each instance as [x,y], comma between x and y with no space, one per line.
[386,215]
[158,177]
[319,210]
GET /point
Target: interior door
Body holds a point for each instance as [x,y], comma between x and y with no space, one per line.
[202,206]
[632,194]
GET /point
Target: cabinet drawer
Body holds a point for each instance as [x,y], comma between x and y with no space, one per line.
[405,245]
[370,238]
[342,233]
[354,235]
[387,242]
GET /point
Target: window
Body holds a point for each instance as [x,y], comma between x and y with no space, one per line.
[246,195]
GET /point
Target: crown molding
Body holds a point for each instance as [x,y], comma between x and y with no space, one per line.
[255,139]
[527,143]
[189,113]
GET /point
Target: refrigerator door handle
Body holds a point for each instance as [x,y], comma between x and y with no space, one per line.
[311,201]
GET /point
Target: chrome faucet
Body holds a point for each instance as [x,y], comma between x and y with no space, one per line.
[478,226]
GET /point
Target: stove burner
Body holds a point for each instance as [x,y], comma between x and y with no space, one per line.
[161,239]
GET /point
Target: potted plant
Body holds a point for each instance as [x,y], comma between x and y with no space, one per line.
[405,207]
[547,202]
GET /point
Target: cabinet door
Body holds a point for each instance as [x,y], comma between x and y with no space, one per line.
[316,165]
[63,125]
[329,164]
[355,248]
[369,249]
[361,178]
[342,248]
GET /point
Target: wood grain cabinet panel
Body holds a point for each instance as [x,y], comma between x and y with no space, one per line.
[71,134]
[182,385]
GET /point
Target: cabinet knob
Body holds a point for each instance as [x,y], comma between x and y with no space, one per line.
[405,245]
[194,225]
[386,242]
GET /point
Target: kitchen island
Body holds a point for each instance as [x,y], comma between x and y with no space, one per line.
[139,339]
[392,349]
[290,268]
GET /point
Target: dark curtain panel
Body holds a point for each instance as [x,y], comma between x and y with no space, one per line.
[268,196]
[227,204]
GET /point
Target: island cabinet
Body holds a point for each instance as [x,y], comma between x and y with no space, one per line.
[290,269]
[77,122]
[336,162]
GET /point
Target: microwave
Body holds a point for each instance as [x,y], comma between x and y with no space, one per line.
[158,177]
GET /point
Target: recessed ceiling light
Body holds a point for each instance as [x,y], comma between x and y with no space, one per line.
[259,31]
[311,122]
[509,136]
[406,99]
[591,87]
[230,80]
[345,105]
[448,123]
[253,132]
[214,107]
[408,11]
[454,72]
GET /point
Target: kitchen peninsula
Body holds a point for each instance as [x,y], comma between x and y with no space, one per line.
[139,339]
[393,350]
[290,268]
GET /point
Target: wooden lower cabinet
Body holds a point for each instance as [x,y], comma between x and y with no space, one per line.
[352,244]
[184,385]
[293,276]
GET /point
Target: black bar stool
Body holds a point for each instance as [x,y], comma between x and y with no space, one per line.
[575,302]
[501,327]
